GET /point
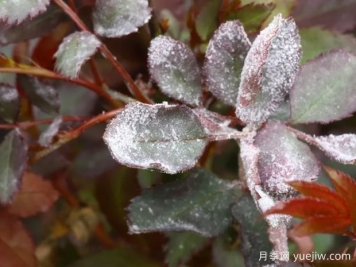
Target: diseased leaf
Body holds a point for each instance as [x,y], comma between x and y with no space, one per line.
[283,158]
[16,246]
[175,69]
[13,158]
[181,247]
[9,102]
[207,19]
[165,137]
[115,18]
[346,187]
[322,192]
[316,41]
[31,28]
[200,203]
[254,231]
[41,93]
[75,49]
[325,89]
[335,15]
[47,136]
[114,258]
[224,60]
[35,195]
[322,224]
[269,71]
[252,15]
[225,255]
[303,208]
[16,11]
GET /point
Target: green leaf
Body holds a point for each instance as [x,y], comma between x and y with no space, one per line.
[165,137]
[325,89]
[175,69]
[181,247]
[13,159]
[225,254]
[41,93]
[252,15]
[200,203]
[116,18]
[9,102]
[207,19]
[316,41]
[74,50]
[32,28]
[283,158]
[254,231]
[116,257]
[224,60]
[269,71]
[16,11]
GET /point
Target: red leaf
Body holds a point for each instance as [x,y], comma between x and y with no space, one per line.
[303,208]
[322,192]
[346,186]
[36,195]
[16,246]
[324,224]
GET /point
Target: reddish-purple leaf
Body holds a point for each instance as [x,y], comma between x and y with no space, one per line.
[225,57]
[346,186]
[323,224]
[303,208]
[175,69]
[283,158]
[269,71]
[325,89]
[335,15]
[16,246]
[322,192]
[36,195]
[13,159]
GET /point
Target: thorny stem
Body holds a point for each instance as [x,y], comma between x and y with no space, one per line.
[106,52]
[52,75]
[71,135]
[28,124]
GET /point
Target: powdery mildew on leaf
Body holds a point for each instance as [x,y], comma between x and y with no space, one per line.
[115,18]
[75,49]
[225,57]
[325,89]
[165,137]
[200,203]
[175,69]
[9,102]
[47,136]
[13,159]
[15,11]
[283,158]
[269,71]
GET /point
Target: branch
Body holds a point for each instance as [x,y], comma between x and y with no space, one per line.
[135,91]
[28,124]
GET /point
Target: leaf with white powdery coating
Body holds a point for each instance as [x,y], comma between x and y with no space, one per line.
[16,11]
[283,158]
[200,203]
[224,60]
[165,137]
[41,93]
[181,247]
[175,69]
[325,89]
[13,159]
[9,102]
[269,71]
[115,18]
[74,50]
